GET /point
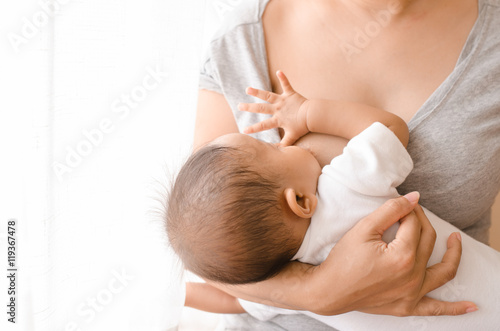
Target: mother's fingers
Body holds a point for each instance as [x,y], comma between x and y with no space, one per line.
[431,307]
[389,213]
[427,239]
[409,233]
[440,273]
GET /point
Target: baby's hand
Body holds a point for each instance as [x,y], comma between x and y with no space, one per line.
[288,110]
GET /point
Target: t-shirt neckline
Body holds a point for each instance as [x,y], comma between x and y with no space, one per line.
[435,99]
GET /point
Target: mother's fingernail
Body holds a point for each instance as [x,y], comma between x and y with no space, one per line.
[459,237]
[471,309]
[413,196]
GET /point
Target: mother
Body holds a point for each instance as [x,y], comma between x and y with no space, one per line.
[436,64]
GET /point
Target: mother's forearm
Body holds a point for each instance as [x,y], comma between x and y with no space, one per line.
[289,289]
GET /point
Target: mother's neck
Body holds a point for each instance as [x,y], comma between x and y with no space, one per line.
[377,4]
[395,7]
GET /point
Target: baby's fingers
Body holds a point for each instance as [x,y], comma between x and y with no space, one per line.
[287,140]
[263,95]
[270,123]
[285,84]
[261,108]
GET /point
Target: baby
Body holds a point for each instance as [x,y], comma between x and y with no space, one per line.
[241,208]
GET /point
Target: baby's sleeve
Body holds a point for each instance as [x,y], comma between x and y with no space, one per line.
[373,163]
[263,312]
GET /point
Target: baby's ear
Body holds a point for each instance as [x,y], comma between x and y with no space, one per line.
[302,205]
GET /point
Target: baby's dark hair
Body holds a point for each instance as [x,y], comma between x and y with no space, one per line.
[225,219]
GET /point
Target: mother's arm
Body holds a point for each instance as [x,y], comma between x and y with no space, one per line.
[362,272]
[214,118]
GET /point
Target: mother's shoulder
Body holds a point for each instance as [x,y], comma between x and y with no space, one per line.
[235,15]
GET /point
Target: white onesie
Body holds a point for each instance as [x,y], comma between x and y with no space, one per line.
[352,186]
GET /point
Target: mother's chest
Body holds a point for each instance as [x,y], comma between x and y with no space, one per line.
[399,85]
[392,72]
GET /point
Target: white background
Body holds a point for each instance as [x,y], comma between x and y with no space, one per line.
[91,248]
[82,171]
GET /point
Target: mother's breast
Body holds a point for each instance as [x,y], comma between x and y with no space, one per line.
[324,147]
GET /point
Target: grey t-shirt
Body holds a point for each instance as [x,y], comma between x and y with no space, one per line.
[454,136]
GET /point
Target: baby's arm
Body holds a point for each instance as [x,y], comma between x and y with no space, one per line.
[205,297]
[348,119]
[298,115]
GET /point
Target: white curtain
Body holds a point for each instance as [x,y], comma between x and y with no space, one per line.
[97,107]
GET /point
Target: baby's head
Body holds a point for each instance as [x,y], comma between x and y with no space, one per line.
[239,208]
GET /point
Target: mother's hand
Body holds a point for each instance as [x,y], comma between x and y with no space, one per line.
[364,273]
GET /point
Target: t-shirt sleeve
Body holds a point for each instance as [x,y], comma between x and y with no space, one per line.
[263,312]
[373,163]
[209,78]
